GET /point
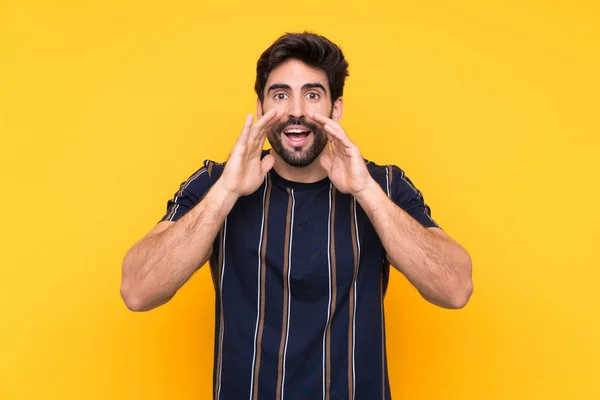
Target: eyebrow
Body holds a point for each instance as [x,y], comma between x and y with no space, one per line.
[311,85]
[314,85]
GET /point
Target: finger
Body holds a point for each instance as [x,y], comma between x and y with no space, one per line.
[341,137]
[326,161]
[267,163]
[271,122]
[258,136]
[246,129]
[320,118]
[336,128]
[263,122]
[248,123]
[334,143]
[323,120]
[331,140]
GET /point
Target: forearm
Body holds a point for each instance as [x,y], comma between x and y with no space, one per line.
[158,265]
[435,264]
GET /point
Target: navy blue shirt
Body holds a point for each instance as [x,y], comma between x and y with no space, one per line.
[300,276]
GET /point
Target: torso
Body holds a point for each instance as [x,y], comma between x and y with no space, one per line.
[300,276]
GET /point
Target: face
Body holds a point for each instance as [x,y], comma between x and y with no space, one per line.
[298,89]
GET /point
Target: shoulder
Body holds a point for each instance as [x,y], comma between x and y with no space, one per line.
[392,179]
[202,178]
[377,169]
[384,174]
[214,168]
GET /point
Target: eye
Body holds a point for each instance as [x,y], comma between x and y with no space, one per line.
[280,96]
[313,95]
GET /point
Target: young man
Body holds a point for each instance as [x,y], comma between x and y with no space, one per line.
[300,239]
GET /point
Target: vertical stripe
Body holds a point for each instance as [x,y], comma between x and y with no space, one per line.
[213,272]
[382,341]
[352,307]
[262,227]
[388,177]
[427,210]
[332,296]
[260,317]
[355,296]
[329,270]
[220,273]
[334,290]
[403,177]
[289,292]
[387,180]
[210,167]
[180,192]
[285,322]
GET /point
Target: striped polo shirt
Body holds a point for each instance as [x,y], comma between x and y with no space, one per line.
[300,276]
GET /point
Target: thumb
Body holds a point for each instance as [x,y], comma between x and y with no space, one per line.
[267,163]
[325,161]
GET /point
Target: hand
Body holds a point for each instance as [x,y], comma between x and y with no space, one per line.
[245,171]
[343,162]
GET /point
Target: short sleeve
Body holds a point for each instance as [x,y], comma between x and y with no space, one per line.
[189,194]
[405,194]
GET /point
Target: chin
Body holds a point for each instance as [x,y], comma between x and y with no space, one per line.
[300,156]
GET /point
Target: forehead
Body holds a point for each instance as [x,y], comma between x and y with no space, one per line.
[296,73]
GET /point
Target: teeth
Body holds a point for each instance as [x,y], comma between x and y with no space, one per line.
[295,131]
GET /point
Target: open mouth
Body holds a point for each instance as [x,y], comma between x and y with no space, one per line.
[297,135]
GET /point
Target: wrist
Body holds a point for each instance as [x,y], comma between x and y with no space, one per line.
[224,195]
[370,194]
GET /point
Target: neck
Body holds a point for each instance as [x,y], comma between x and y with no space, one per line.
[309,174]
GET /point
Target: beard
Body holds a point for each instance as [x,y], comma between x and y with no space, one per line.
[299,156]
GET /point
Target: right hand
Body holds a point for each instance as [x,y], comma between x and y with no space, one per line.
[245,171]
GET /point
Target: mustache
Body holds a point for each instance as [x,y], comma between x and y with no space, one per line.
[297,121]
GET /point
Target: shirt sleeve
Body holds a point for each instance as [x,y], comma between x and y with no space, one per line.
[189,194]
[404,193]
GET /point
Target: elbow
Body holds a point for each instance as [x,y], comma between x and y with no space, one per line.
[132,298]
[139,298]
[141,292]
[451,296]
[462,287]
[136,301]
[460,296]
[132,302]
[454,292]
[131,290]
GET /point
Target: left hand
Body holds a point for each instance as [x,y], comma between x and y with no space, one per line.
[343,162]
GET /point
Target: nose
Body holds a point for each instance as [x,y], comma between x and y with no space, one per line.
[297,107]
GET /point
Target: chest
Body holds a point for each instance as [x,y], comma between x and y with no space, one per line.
[313,240]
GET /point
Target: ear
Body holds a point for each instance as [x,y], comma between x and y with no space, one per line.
[259,111]
[338,109]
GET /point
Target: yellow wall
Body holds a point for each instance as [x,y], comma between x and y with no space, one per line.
[490,106]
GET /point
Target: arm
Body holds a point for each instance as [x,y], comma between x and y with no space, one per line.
[433,262]
[156,267]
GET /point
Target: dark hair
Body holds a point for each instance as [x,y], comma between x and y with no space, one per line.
[312,49]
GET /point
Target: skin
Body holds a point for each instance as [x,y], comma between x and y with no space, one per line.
[438,266]
[300,100]
[162,261]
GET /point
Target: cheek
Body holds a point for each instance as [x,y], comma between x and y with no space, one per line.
[323,108]
[276,107]
[270,104]
[265,106]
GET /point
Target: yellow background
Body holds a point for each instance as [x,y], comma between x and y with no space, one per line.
[490,106]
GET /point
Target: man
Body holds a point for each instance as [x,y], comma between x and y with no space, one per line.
[300,239]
